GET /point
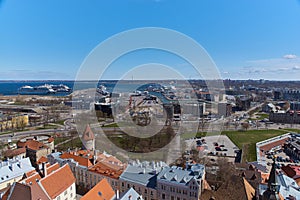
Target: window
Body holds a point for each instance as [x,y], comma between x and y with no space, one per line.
[66,192]
[163,196]
[58,198]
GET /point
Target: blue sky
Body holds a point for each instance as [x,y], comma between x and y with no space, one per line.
[246,39]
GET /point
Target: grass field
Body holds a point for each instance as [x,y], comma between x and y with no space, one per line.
[246,140]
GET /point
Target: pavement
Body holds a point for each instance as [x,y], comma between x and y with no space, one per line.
[209,145]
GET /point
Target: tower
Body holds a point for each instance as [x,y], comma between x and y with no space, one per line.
[88,138]
[272,193]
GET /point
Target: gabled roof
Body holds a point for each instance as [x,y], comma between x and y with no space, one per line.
[81,160]
[175,175]
[34,177]
[14,168]
[132,195]
[250,191]
[58,181]
[37,193]
[14,152]
[88,134]
[43,159]
[101,191]
[18,191]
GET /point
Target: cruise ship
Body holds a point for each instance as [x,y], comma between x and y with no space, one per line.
[38,90]
[61,88]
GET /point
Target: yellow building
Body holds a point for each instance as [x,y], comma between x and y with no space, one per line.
[13,122]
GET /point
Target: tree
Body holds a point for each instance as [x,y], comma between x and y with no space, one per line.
[245,125]
[202,124]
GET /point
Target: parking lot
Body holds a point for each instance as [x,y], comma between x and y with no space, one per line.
[219,145]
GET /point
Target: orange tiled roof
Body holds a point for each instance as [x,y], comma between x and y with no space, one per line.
[58,181]
[88,134]
[32,179]
[101,191]
[107,170]
[32,144]
[81,160]
[51,139]
[30,173]
[109,159]
[269,146]
[43,159]
[33,176]
[264,177]
[85,153]
[52,168]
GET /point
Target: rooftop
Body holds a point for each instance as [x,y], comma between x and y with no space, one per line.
[177,175]
[58,181]
[14,168]
[144,173]
[101,191]
[106,170]
[84,161]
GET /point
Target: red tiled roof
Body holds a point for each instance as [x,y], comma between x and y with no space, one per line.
[58,181]
[51,139]
[14,152]
[88,134]
[43,159]
[30,173]
[52,168]
[109,159]
[32,144]
[292,171]
[269,146]
[101,191]
[33,178]
[107,170]
[81,160]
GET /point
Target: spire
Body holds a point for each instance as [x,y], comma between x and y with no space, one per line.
[272,177]
[88,134]
[272,193]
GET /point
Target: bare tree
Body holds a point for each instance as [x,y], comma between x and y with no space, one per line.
[245,126]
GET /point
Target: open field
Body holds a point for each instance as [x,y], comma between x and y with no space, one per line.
[246,140]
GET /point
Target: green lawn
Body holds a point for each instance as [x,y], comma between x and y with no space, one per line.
[71,144]
[260,116]
[293,130]
[60,122]
[248,139]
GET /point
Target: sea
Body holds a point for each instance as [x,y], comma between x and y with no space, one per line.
[10,88]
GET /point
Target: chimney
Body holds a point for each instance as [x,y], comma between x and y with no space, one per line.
[44,168]
[118,195]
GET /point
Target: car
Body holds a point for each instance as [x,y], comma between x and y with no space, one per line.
[222,145]
[218,149]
